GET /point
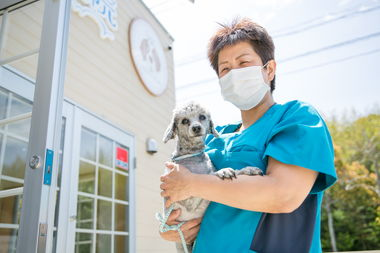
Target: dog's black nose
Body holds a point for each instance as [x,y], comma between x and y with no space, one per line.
[196,129]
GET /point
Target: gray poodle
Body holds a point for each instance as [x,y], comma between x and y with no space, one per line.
[191,123]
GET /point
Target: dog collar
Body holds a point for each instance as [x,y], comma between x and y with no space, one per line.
[174,159]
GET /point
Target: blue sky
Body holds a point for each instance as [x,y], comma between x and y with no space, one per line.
[327,51]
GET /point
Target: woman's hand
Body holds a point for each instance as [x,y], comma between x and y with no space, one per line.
[190,229]
[176,184]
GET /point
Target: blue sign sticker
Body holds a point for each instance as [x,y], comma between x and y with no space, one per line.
[48,166]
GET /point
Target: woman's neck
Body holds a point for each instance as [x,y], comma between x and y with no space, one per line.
[249,117]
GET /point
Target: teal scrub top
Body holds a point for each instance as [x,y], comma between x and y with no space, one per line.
[292,133]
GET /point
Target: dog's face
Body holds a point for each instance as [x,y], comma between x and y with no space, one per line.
[190,121]
[192,124]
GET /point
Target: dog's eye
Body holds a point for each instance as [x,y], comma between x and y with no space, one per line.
[202,117]
[185,121]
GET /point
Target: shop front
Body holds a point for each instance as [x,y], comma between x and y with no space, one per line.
[100,186]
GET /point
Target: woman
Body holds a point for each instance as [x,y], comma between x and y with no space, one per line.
[277,212]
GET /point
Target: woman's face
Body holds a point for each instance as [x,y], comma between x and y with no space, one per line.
[242,55]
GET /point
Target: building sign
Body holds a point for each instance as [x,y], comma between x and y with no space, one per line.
[148,56]
[103,12]
[121,158]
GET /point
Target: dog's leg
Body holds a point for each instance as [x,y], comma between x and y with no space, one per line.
[250,171]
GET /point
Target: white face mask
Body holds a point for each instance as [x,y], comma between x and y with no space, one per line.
[244,87]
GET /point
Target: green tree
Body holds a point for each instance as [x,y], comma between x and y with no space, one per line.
[351,208]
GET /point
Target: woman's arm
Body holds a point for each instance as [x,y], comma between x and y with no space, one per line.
[281,190]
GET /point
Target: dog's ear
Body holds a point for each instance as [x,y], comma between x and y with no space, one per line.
[212,129]
[170,131]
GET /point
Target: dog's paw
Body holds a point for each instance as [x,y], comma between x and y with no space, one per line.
[228,173]
[250,171]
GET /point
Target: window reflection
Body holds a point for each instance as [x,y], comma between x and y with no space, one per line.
[83,242]
[105,182]
[85,212]
[14,157]
[22,127]
[104,216]
[121,217]
[8,238]
[105,151]
[86,177]
[121,243]
[103,243]
[88,145]
[121,190]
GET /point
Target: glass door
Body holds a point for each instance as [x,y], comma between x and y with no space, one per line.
[102,187]
[14,136]
[19,21]
[16,95]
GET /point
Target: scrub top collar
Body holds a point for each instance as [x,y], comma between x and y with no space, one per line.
[232,128]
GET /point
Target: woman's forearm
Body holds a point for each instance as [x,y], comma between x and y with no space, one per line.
[281,190]
[255,193]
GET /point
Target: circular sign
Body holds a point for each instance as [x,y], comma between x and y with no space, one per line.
[148,56]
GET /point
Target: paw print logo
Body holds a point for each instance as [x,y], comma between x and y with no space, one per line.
[150,56]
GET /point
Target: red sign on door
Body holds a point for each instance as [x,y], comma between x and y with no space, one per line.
[121,158]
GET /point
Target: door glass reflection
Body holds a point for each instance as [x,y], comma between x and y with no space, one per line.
[103,243]
[86,181]
[121,188]
[121,244]
[83,242]
[104,216]
[20,106]
[121,217]
[105,183]
[85,212]
[88,145]
[105,151]
[8,240]
[14,158]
